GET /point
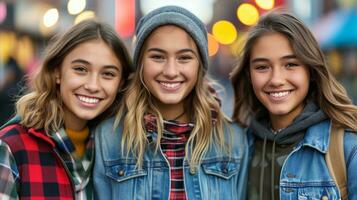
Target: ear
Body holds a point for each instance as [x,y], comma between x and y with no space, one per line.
[57,76]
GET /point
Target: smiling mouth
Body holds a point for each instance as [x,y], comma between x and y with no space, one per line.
[279,94]
[89,100]
[172,85]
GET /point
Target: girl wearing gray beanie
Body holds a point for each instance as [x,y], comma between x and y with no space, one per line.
[173,141]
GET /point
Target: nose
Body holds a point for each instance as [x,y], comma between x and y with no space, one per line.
[277,77]
[170,68]
[92,83]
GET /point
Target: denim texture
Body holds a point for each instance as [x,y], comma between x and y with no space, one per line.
[219,176]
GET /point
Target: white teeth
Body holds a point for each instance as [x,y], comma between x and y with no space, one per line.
[279,94]
[169,85]
[88,100]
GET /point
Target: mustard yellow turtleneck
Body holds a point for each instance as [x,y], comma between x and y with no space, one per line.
[78,139]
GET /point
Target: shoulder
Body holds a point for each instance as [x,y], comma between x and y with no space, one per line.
[233,127]
[350,138]
[236,135]
[350,145]
[11,130]
[105,127]
[107,134]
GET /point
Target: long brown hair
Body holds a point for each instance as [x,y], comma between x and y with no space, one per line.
[139,100]
[41,107]
[324,89]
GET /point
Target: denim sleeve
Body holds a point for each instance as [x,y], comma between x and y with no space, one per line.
[8,173]
[351,163]
[243,174]
[102,187]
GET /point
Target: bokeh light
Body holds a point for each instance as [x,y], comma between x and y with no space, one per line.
[3,11]
[50,18]
[8,42]
[213,45]
[84,15]
[247,14]
[224,31]
[25,51]
[265,4]
[75,7]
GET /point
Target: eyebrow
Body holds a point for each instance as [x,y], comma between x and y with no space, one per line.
[292,56]
[80,61]
[180,51]
[88,63]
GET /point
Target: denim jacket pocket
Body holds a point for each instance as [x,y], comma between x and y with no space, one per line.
[222,169]
[124,171]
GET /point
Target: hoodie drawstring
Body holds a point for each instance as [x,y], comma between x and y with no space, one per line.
[262,170]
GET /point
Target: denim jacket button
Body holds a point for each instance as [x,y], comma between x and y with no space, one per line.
[121,173]
[225,170]
[324,198]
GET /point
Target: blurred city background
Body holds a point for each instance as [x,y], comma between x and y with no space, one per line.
[27,25]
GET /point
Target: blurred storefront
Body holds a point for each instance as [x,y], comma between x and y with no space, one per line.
[27,25]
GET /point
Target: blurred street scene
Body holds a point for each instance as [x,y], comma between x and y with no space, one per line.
[27,25]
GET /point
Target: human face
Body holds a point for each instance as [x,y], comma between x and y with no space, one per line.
[280,81]
[170,68]
[89,80]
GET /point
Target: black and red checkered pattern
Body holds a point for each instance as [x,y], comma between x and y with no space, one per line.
[42,174]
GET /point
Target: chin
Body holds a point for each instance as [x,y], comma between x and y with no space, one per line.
[88,116]
[278,111]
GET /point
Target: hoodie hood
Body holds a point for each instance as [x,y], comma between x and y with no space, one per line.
[310,115]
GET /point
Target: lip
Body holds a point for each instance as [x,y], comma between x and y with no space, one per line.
[170,86]
[278,96]
[88,101]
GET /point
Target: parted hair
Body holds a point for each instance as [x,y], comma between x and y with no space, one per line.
[41,107]
[324,89]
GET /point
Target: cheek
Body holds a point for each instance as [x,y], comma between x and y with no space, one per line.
[112,91]
[149,72]
[301,79]
[192,71]
[257,81]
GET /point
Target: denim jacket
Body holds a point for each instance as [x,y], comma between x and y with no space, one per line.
[218,177]
[305,174]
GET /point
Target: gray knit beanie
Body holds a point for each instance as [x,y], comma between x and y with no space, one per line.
[172,15]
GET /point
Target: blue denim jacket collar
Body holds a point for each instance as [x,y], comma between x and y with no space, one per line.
[317,136]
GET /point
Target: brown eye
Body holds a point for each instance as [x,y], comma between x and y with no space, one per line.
[109,74]
[261,67]
[290,65]
[157,57]
[80,69]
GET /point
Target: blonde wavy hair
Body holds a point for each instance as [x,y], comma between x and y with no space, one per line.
[324,89]
[41,107]
[139,101]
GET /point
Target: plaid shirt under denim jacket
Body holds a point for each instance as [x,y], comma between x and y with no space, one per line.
[34,164]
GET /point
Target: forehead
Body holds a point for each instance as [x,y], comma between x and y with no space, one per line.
[170,36]
[96,52]
[271,44]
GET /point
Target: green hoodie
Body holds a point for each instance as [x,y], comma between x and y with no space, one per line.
[272,148]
